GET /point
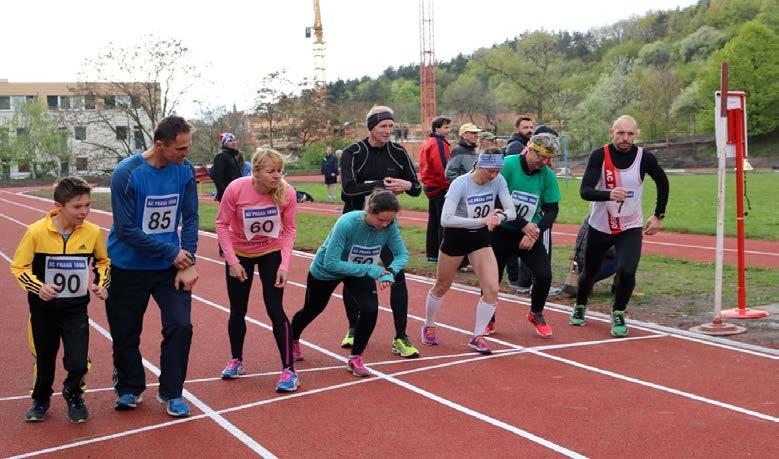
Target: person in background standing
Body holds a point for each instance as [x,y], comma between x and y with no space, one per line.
[330,172]
[433,156]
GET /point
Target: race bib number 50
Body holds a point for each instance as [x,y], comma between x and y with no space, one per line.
[159,214]
[261,221]
[69,274]
[364,255]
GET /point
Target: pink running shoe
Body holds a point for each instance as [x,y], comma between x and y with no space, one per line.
[428,335]
[355,365]
[297,354]
[489,329]
[233,369]
[479,345]
[537,319]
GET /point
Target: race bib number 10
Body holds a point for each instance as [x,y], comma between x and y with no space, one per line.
[261,221]
[159,214]
[525,203]
[479,206]
[71,275]
[364,255]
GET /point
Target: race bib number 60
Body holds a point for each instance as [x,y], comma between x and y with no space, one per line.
[159,214]
[70,274]
[261,221]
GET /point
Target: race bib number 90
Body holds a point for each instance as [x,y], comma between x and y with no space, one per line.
[71,275]
[159,214]
[261,221]
[525,203]
[364,255]
[479,206]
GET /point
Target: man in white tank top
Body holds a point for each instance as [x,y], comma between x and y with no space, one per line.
[614,183]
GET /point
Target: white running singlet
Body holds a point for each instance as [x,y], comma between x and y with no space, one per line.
[613,217]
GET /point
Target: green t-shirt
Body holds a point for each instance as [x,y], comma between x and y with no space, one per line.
[529,192]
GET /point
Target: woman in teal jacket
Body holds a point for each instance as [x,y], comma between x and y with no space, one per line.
[350,255]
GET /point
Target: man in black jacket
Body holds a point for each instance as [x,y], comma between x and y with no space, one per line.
[330,172]
[523,128]
[227,166]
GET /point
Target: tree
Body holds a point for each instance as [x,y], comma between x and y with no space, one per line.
[470,97]
[39,141]
[753,65]
[309,118]
[6,151]
[654,54]
[687,105]
[532,66]
[210,124]
[701,43]
[273,100]
[659,88]
[133,88]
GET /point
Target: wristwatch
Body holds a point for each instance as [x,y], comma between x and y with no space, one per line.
[660,216]
[391,271]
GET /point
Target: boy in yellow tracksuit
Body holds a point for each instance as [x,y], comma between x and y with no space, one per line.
[52,264]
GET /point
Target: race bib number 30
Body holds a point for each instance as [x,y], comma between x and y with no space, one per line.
[261,221]
[479,206]
[525,203]
[71,275]
[364,255]
[159,214]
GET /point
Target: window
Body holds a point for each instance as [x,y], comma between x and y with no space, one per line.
[138,135]
[53,102]
[135,101]
[109,102]
[80,132]
[123,101]
[64,168]
[5,103]
[18,101]
[81,164]
[121,133]
[21,132]
[89,102]
[74,102]
[24,166]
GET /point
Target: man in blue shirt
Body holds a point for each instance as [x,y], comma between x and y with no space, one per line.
[151,194]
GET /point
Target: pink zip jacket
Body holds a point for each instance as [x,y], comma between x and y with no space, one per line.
[251,224]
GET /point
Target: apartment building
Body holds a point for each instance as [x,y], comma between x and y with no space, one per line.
[104,123]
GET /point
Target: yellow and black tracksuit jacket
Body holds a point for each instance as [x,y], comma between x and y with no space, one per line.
[45,256]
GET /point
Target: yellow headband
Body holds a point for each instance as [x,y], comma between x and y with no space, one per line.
[542,150]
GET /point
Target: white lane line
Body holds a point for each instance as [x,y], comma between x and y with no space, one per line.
[209,412]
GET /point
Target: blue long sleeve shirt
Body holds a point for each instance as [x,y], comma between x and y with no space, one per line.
[148,205]
[352,250]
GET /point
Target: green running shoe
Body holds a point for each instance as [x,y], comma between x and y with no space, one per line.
[348,340]
[404,347]
[577,318]
[618,326]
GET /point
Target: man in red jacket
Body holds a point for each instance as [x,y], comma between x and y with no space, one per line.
[432,163]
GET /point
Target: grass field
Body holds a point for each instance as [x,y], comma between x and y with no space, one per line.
[692,206]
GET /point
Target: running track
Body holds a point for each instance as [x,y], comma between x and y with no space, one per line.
[660,392]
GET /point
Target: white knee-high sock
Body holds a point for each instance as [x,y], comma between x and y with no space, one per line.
[432,306]
[484,312]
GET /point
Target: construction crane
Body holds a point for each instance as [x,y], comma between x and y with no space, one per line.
[426,64]
[319,50]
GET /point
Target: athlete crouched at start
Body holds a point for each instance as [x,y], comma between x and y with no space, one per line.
[349,255]
[468,216]
[256,226]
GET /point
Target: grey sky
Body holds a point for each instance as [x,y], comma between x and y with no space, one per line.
[235,43]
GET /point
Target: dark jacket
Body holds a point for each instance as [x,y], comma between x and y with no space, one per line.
[225,169]
[515,145]
[330,167]
[462,160]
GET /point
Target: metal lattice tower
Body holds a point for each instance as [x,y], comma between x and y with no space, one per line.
[319,50]
[426,64]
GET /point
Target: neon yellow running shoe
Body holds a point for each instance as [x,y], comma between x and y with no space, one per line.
[348,340]
[404,348]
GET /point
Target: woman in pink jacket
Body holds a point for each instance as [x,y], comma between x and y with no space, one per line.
[256,226]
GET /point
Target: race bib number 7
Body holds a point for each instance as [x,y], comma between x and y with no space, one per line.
[70,274]
[159,214]
[623,208]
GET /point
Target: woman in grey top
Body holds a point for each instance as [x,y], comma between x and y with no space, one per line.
[469,214]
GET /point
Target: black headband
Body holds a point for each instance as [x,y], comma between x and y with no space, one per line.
[377,118]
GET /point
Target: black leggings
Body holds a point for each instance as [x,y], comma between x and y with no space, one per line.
[505,244]
[398,299]
[362,293]
[238,292]
[628,248]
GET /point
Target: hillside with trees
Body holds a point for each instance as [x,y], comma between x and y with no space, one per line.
[662,68]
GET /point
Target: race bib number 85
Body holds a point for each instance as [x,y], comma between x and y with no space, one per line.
[69,274]
[159,214]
